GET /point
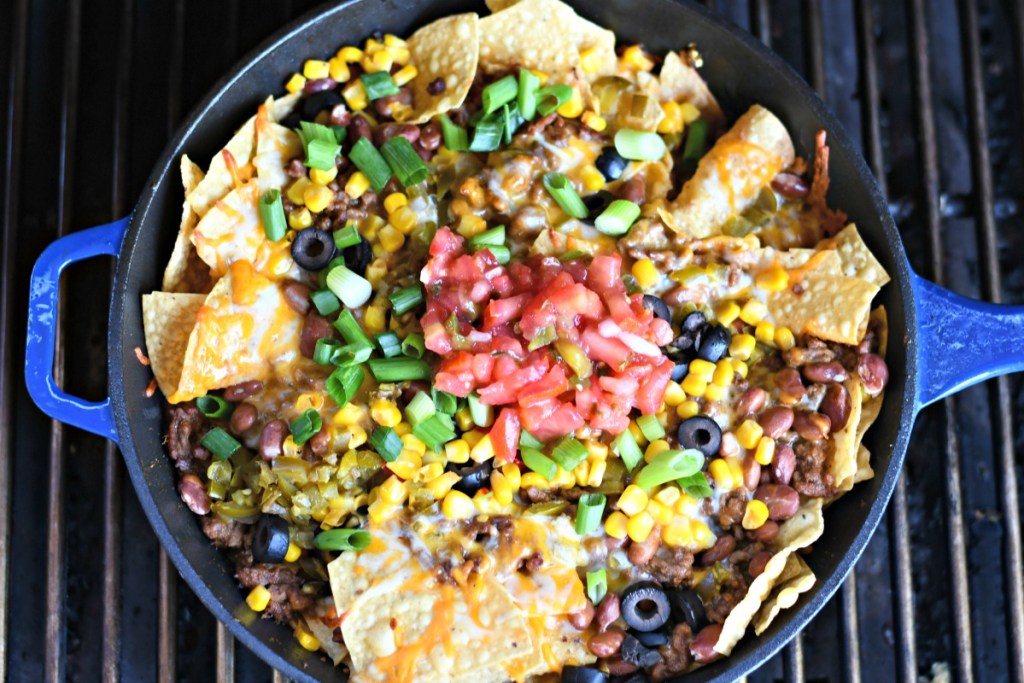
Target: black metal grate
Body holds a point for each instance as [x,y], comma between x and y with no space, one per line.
[933,90]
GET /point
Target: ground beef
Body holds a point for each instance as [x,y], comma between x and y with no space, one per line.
[531,563]
[810,476]
[730,512]
[671,566]
[223,534]
[731,592]
[562,130]
[534,494]
[183,435]
[742,556]
[284,583]
[675,655]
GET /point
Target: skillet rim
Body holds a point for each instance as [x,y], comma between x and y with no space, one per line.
[727,669]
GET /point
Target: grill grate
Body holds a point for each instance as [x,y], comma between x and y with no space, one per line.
[92,90]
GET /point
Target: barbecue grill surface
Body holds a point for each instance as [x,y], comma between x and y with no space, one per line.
[91,90]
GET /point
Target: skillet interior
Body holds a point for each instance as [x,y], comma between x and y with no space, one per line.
[740,72]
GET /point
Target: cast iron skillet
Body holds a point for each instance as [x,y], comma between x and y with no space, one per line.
[939,342]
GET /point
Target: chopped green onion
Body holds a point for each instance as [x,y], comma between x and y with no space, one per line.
[340,133]
[482,413]
[539,463]
[368,160]
[321,276]
[378,85]
[455,137]
[398,369]
[347,237]
[501,254]
[340,540]
[305,426]
[512,120]
[354,290]
[669,465]
[628,450]
[435,431]
[413,345]
[404,161]
[571,255]
[322,155]
[387,443]
[495,237]
[350,329]
[343,384]
[325,349]
[420,408]
[500,92]
[486,136]
[565,194]
[528,440]
[526,98]
[215,407]
[446,403]
[696,485]
[597,586]
[220,443]
[352,354]
[618,218]
[272,214]
[552,97]
[406,299]
[569,453]
[650,427]
[640,145]
[389,343]
[325,302]
[696,141]
[588,513]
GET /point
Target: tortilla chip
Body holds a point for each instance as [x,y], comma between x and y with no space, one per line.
[796,578]
[335,650]
[167,321]
[680,82]
[185,271]
[828,306]
[858,261]
[282,107]
[529,33]
[842,464]
[447,49]
[224,168]
[275,147]
[798,532]
[384,566]
[873,404]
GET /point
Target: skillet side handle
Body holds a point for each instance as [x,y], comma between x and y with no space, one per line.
[963,341]
[95,417]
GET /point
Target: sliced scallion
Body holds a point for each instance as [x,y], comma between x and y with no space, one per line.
[350,329]
[565,194]
[639,145]
[321,154]
[539,463]
[325,349]
[626,447]
[413,345]
[343,384]
[494,237]
[305,426]
[486,136]
[446,403]
[352,354]
[552,97]
[569,453]
[389,343]
[354,290]
[420,408]
[455,137]
[368,160]
[482,413]
[406,299]
[618,218]
[272,214]
[669,465]
[696,485]
[650,427]
[500,92]
[501,254]
[526,98]
[347,237]
[341,540]
[214,407]
[435,431]
[696,142]
[387,443]
[399,369]
[378,84]
[588,512]
[404,161]
[528,440]
[325,302]
[512,120]
[321,276]
[220,443]
[597,585]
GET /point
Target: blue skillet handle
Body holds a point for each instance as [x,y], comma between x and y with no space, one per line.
[95,417]
[963,341]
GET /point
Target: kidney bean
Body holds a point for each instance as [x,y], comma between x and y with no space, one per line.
[722,549]
[340,115]
[296,295]
[764,533]
[385,104]
[320,442]
[430,136]
[782,500]
[776,421]
[607,643]
[315,85]
[784,463]
[617,666]
[811,426]
[359,128]
[608,611]
[193,494]
[243,390]
[873,372]
[836,405]
[751,473]
[272,439]
[641,553]
[243,418]
[790,386]
[790,185]
[612,544]
[757,563]
[581,620]
[703,645]
[751,401]
[634,190]
[825,373]
[315,327]
[389,130]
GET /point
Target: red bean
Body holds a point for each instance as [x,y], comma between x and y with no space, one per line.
[194,495]
[242,391]
[722,549]
[776,421]
[752,400]
[243,418]
[315,327]
[784,463]
[782,501]
[836,405]
[608,611]
[389,130]
[873,372]
[359,128]
[607,643]
[790,185]
[272,439]
[790,386]
[811,426]
[385,105]
[320,442]
[296,295]
[757,563]
[430,136]
[825,373]
[751,473]
[764,533]
[582,619]
[617,666]
[633,190]
[340,115]
[703,646]
[641,553]
[315,85]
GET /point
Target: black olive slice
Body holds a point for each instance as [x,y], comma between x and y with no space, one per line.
[270,540]
[611,164]
[702,433]
[318,101]
[582,674]
[651,639]
[473,477]
[658,307]
[693,322]
[645,606]
[634,652]
[358,256]
[687,607]
[713,343]
[313,248]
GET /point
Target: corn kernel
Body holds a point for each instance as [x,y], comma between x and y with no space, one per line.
[753,311]
[597,471]
[687,409]
[258,598]
[317,198]
[355,96]
[306,639]
[394,201]
[293,554]
[677,533]
[784,338]
[668,495]
[473,436]
[440,486]
[393,490]
[501,488]
[765,333]
[615,525]
[639,527]
[749,433]
[405,74]
[381,511]
[471,225]
[376,59]
[637,433]
[765,452]
[357,184]
[434,456]
[740,367]
[655,448]
[300,218]
[374,319]
[464,419]
[356,436]
[672,121]
[315,69]
[716,392]
[391,40]
[323,177]
[637,58]
[543,77]
[755,515]
[391,238]
[295,84]
[429,472]
[297,191]
[574,107]
[385,412]
[308,400]
[457,505]
[596,449]
[726,312]
[724,373]
[413,444]
[563,479]
[404,218]
[659,512]
[775,278]
[741,346]
[701,534]
[703,369]
[721,473]
[338,70]
[689,112]
[592,178]
[483,450]
[686,505]
[350,54]
[290,448]
[632,500]
[534,480]
[590,60]
[594,121]
[581,472]
[646,273]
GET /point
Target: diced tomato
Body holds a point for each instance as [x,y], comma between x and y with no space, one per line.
[577,300]
[609,420]
[534,416]
[605,274]
[445,242]
[553,384]
[504,390]
[623,385]
[501,311]
[435,337]
[661,332]
[652,389]
[457,385]
[483,367]
[609,351]
[504,365]
[458,363]
[505,435]
[564,420]
[502,343]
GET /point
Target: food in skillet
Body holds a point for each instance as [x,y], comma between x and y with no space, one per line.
[491,357]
